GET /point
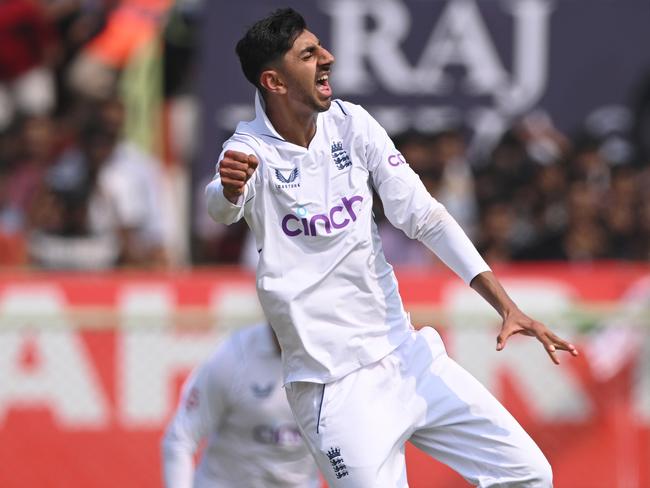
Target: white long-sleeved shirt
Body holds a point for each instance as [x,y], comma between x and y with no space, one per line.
[235,402]
[322,278]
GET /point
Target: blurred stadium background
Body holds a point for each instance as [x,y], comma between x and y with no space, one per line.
[528,119]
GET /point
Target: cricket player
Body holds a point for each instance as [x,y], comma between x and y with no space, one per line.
[234,401]
[360,380]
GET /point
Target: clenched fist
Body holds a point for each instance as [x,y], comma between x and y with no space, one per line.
[235,169]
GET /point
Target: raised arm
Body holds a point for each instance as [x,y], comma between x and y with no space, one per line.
[235,169]
[233,184]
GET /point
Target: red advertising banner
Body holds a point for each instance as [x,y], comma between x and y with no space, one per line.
[90,367]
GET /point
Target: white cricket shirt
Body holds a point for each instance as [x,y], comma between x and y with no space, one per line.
[236,403]
[322,278]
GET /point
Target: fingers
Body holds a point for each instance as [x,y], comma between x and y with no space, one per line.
[501,342]
[236,156]
[550,348]
[233,188]
[235,169]
[252,166]
[551,342]
[233,173]
[252,162]
[503,336]
[233,165]
[562,344]
[233,177]
[240,160]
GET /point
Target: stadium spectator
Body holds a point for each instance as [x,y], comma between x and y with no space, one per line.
[34,146]
[622,213]
[132,180]
[455,188]
[644,218]
[76,23]
[73,225]
[38,146]
[541,233]
[29,45]
[104,193]
[495,241]
[641,122]
[130,26]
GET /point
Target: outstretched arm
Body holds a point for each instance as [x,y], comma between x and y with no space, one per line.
[514,320]
[410,208]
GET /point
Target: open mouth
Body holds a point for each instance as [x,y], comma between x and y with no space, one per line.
[323,84]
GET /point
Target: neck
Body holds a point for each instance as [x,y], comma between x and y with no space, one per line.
[295,126]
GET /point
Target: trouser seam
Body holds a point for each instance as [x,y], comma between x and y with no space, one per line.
[320,408]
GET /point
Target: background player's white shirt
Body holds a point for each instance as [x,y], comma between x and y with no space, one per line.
[322,277]
[235,401]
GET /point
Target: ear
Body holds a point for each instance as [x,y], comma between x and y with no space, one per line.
[272,82]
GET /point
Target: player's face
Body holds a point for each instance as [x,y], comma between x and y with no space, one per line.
[306,68]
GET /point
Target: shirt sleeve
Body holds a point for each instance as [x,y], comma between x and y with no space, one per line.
[409,206]
[219,207]
[204,403]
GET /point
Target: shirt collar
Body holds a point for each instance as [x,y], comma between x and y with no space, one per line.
[264,125]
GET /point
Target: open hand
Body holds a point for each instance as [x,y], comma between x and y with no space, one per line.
[517,322]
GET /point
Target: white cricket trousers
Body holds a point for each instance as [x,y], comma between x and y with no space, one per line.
[356,427]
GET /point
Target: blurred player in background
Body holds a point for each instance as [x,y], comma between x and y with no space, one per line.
[235,402]
[360,380]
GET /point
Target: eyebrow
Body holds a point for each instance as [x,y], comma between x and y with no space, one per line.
[310,47]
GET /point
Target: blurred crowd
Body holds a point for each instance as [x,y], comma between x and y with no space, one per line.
[84,181]
[539,194]
[82,175]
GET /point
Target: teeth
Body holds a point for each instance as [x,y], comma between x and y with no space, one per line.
[323,78]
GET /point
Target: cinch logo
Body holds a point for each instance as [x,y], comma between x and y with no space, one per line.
[277,435]
[294,226]
[396,159]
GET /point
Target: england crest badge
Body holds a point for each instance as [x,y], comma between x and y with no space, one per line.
[340,155]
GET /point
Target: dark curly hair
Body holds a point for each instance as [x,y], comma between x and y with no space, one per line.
[267,40]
